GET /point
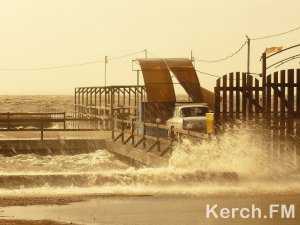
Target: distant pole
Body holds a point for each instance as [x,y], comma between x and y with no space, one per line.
[192,58]
[105,69]
[146,53]
[248,55]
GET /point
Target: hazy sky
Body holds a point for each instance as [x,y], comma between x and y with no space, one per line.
[38,33]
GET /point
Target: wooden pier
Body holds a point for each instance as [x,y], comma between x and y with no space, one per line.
[102,103]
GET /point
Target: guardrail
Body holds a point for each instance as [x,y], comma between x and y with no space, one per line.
[45,122]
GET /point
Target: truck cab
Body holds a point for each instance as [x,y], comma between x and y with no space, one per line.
[189,117]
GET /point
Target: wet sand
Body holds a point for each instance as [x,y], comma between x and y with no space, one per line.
[140,210]
[30,222]
[43,200]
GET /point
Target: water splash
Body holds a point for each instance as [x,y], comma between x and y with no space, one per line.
[237,162]
[242,151]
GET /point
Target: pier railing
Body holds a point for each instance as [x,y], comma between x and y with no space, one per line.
[153,137]
[102,102]
[58,121]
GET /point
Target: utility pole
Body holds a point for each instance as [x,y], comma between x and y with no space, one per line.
[248,54]
[146,53]
[192,58]
[105,69]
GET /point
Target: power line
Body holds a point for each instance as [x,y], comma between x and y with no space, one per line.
[275,35]
[224,58]
[208,74]
[52,67]
[127,55]
[65,66]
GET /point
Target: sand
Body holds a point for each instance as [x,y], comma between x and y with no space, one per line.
[25,201]
[52,200]
[30,222]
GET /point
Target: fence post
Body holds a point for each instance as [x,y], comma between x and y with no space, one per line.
[157,136]
[144,135]
[64,120]
[42,131]
[217,103]
[123,127]
[132,131]
[113,126]
[8,121]
[264,74]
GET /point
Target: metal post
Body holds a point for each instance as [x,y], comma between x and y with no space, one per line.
[75,99]
[248,55]
[112,98]
[105,69]
[192,58]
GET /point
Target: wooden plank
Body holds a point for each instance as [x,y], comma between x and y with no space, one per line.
[244,96]
[298,102]
[256,97]
[264,69]
[298,92]
[282,95]
[217,101]
[275,96]
[237,96]
[282,103]
[250,95]
[275,104]
[224,108]
[291,96]
[231,96]
[268,100]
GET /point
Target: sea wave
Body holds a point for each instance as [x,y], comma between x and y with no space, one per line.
[236,162]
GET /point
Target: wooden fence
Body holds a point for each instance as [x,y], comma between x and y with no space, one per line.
[271,103]
[238,97]
[274,100]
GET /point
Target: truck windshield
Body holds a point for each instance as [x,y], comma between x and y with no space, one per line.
[194,111]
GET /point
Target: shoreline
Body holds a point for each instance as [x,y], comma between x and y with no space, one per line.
[10,201]
[31,222]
